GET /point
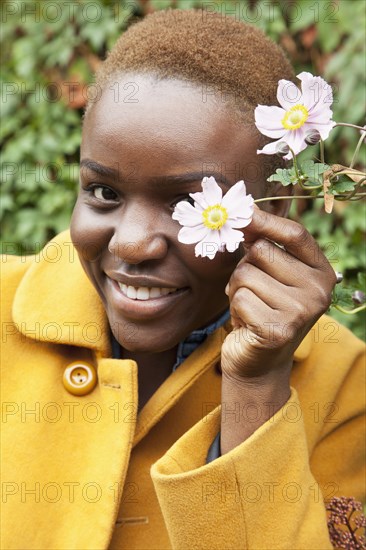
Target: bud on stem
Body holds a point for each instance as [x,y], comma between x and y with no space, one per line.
[312,137]
[282,148]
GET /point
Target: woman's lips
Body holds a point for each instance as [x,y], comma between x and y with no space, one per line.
[142,302]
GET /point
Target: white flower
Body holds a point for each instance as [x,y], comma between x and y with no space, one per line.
[214,220]
[301,111]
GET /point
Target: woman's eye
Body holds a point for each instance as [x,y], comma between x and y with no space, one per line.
[103,193]
[183,198]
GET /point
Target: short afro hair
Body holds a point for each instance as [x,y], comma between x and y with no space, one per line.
[229,56]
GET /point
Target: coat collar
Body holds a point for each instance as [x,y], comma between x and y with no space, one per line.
[56,303]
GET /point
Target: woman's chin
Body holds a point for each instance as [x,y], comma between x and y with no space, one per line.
[134,341]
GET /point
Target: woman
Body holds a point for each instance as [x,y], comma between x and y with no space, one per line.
[119,344]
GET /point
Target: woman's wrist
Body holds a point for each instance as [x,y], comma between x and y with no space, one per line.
[247,403]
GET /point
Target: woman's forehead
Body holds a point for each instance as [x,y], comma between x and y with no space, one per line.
[169,128]
[164,101]
[137,106]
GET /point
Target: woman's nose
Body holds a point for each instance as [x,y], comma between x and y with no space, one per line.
[138,238]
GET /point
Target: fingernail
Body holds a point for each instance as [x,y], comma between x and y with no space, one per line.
[227,289]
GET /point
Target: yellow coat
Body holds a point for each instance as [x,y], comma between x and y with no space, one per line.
[89,473]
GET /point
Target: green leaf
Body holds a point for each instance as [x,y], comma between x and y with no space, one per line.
[342,296]
[361,278]
[284,176]
[328,34]
[342,186]
[313,169]
[302,17]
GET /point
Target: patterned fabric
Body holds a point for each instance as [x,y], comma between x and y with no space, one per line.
[196,338]
[214,450]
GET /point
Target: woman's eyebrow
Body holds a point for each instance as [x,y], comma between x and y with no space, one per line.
[98,168]
[158,181]
[188,177]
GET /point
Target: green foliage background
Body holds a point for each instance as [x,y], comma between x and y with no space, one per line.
[50,52]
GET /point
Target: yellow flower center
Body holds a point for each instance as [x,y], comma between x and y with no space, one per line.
[295,117]
[214,217]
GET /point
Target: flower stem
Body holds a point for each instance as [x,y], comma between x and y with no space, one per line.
[349,125]
[311,197]
[363,134]
[309,187]
[349,311]
[295,165]
[351,171]
[321,144]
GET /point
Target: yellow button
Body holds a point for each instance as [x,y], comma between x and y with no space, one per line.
[80,378]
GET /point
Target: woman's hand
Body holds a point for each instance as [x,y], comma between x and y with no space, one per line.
[276,295]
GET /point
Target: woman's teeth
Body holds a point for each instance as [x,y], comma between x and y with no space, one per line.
[144,292]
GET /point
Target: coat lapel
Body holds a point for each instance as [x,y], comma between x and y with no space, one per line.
[56,303]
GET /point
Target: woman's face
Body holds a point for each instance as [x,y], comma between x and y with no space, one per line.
[146,145]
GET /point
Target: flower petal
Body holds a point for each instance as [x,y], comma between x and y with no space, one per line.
[211,191]
[234,194]
[296,140]
[268,120]
[317,94]
[321,117]
[242,211]
[238,205]
[271,148]
[245,217]
[288,94]
[323,129]
[190,235]
[231,237]
[209,245]
[200,201]
[240,223]
[186,214]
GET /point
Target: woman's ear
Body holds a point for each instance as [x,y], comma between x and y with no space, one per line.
[279,207]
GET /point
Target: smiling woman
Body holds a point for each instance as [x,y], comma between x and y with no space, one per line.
[129,218]
[133,347]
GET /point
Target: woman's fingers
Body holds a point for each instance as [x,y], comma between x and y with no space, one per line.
[268,289]
[258,300]
[276,294]
[293,236]
[274,261]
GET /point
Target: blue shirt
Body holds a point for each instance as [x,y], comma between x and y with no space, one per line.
[196,338]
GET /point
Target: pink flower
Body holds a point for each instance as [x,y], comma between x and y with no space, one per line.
[300,111]
[213,221]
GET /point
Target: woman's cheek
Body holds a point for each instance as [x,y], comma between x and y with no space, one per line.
[88,233]
[219,269]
